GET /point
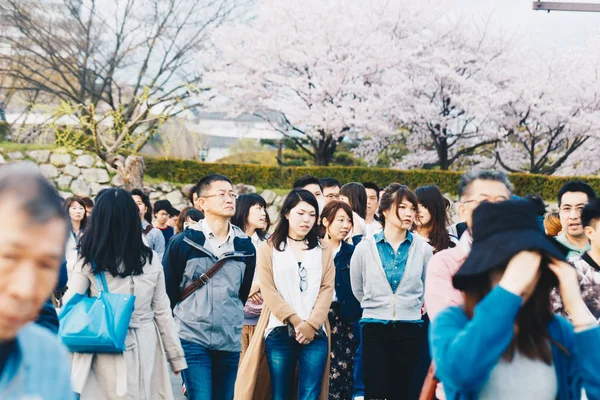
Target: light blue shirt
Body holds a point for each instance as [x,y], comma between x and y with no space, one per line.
[37,369]
[156,240]
[394,263]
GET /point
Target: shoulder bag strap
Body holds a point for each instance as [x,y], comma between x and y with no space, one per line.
[202,279]
[147,229]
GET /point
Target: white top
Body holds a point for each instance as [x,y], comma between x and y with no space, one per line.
[373,228]
[337,250]
[287,281]
[521,379]
[71,254]
[256,242]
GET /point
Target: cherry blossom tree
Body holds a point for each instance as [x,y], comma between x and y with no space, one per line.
[446,98]
[313,69]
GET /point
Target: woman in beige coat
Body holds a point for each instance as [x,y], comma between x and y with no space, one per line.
[113,245]
[296,280]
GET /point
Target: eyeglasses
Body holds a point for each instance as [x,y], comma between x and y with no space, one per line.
[222,195]
[302,274]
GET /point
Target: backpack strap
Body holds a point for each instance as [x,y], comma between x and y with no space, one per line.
[147,229]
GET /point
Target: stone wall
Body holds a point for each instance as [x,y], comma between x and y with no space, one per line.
[84,174]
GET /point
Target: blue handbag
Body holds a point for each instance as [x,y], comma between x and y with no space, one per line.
[96,324]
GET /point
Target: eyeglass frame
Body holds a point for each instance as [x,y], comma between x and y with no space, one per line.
[303,276]
[222,196]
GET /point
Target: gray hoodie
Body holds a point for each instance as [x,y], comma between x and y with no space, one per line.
[372,289]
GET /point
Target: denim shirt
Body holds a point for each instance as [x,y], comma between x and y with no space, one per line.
[394,263]
[37,368]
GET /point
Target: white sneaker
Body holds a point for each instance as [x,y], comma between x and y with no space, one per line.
[359,398]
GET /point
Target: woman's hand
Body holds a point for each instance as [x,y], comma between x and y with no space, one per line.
[570,293]
[305,333]
[522,273]
[255,295]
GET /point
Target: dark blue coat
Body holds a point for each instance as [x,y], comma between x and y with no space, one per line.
[351,309]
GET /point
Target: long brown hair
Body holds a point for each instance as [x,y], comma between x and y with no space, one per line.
[531,336]
[434,201]
[393,195]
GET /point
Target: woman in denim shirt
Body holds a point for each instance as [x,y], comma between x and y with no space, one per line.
[387,274]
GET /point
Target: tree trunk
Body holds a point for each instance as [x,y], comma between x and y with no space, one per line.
[131,170]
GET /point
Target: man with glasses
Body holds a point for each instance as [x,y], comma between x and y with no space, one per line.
[473,189]
[572,198]
[210,319]
[331,189]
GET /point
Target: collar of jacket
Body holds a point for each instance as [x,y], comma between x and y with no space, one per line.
[241,241]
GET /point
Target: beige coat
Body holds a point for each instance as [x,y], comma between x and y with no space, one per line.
[253,366]
[141,372]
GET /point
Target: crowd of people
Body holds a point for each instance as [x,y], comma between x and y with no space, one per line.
[354,292]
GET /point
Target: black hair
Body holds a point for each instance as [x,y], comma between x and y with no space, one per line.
[89,203]
[280,235]
[174,212]
[163,205]
[242,208]
[193,190]
[538,202]
[205,183]
[306,180]
[590,213]
[68,203]
[576,186]
[193,214]
[357,195]
[329,182]
[146,201]
[37,197]
[485,175]
[372,186]
[113,241]
[434,201]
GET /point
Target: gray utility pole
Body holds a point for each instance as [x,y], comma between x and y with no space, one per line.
[563,6]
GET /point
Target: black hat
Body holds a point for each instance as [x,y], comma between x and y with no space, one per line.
[501,230]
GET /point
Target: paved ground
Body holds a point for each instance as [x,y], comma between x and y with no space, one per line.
[176,385]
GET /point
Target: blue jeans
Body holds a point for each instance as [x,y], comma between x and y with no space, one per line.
[283,353]
[210,374]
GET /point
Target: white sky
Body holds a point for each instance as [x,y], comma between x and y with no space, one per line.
[537,29]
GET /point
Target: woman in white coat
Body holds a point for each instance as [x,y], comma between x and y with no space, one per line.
[113,244]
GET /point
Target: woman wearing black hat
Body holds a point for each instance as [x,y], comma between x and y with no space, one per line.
[505,343]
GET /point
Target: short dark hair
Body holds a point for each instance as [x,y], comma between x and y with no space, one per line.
[484,175]
[280,235]
[591,213]
[146,201]
[163,205]
[329,182]
[357,195]
[37,197]
[538,202]
[174,212]
[68,203]
[372,186]
[113,241]
[242,208]
[193,191]
[89,203]
[205,183]
[576,186]
[306,180]
[330,211]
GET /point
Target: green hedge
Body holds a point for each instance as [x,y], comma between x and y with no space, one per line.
[186,171]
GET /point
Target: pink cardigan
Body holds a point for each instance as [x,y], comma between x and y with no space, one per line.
[439,291]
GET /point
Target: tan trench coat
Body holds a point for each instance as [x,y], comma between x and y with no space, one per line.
[253,382]
[141,372]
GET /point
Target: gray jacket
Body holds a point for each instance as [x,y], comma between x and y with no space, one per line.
[372,289]
[213,315]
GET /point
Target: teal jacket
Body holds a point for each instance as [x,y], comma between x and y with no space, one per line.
[465,351]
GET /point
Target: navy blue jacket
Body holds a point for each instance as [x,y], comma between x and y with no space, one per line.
[350,306]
